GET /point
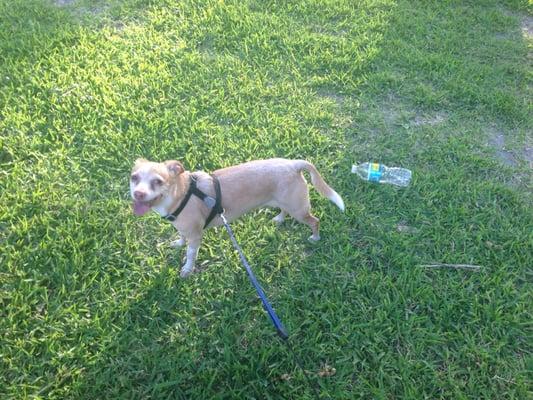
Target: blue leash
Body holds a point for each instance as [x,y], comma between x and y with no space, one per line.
[282,332]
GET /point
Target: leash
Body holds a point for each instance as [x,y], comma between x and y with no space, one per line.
[282,332]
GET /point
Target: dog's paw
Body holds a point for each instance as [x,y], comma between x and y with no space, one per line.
[313,238]
[278,219]
[185,272]
[177,243]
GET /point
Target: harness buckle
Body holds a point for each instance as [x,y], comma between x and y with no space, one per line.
[170,218]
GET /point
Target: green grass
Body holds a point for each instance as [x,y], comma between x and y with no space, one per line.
[92,308]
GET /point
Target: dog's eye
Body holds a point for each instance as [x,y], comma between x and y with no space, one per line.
[135,178]
[157,182]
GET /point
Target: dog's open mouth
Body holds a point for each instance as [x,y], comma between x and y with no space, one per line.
[141,207]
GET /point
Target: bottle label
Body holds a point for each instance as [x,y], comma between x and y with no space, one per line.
[375,171]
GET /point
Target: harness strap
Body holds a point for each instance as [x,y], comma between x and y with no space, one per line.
[217,207]
[192,189]
[214,204]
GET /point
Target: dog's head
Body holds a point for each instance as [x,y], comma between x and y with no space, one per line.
[150,182]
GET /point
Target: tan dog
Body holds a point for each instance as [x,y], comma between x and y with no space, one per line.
[275,183]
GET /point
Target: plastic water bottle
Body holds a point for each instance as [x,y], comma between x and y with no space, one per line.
[375,172]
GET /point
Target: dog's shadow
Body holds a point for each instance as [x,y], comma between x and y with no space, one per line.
[158,342]
[173,335]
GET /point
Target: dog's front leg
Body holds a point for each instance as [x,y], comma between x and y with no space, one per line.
[192,253]
[178,243]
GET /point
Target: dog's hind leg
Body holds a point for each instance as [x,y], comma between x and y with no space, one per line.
[313,223]
[296,203]
[305,217]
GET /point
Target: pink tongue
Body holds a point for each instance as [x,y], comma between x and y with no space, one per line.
[140,208]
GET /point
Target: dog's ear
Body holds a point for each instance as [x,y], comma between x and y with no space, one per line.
[174,166]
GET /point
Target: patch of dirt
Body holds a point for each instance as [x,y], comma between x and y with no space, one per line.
[119,26]
[528,155]
[396,116]
[430,120]
[207,49]
[527,27]
[338,98]
[391,109]
[510,157]
[342,118]
[391,116]
[79,10]
[513,154]
[63,3]
[321,30]
[497,140]
[526,24]
[402,227]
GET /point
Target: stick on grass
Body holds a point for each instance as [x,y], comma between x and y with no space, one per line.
[454,266]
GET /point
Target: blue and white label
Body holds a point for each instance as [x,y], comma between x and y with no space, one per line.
[375,171]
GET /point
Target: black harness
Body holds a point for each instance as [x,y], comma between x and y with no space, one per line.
[215,204]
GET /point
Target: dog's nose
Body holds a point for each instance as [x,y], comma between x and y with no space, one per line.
[139,195]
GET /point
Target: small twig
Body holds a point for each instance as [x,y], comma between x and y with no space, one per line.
[505,380]
[456,266]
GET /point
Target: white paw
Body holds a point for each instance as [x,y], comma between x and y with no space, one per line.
[313,238]
[278,219]
[177,243]
[185,271]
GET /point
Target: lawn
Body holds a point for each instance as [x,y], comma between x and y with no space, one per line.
[91,302]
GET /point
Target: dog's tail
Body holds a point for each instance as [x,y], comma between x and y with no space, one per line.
[320,185]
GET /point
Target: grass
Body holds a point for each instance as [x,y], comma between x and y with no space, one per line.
[91,307]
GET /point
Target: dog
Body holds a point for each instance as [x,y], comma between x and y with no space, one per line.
[279,183]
